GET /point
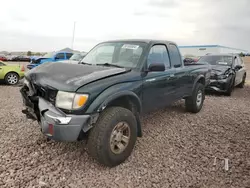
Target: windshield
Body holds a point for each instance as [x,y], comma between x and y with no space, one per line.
[117,53]
[76,57]
[49,55]
[217,60]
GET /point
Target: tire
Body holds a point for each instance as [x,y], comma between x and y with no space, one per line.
[99,141]
[242,84]
[11,78]
[230,89]
[194,103]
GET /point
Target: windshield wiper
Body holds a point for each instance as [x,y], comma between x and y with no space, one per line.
[85,63]
[109,65]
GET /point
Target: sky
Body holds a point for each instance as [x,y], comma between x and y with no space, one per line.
[47,25]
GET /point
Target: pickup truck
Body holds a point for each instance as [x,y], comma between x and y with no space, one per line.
[49,57]
[102,98]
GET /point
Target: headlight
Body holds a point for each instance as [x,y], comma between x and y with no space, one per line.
[70,101]
[223,76]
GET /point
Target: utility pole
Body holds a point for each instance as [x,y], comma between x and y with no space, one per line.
[73,38]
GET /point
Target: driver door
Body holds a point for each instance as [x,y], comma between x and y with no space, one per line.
[158,87]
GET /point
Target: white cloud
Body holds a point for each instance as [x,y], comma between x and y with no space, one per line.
[44,25]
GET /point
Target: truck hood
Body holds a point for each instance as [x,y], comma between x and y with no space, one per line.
[69,77]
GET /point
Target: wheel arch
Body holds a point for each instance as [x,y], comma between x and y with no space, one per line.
[199,79]
[11,72]
[125,99]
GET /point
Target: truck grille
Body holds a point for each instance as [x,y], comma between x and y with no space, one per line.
[46,93]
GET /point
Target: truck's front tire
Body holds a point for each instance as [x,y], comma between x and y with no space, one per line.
[113,137]
[194,103]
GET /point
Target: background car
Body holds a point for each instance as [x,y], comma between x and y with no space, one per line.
[75,58]
[3,58]
[228,71]
[49,57]
[11,74]
[21,58]
[189,60]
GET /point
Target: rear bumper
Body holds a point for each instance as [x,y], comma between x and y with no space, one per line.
[219,85]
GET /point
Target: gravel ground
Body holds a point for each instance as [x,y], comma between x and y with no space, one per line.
[178,149]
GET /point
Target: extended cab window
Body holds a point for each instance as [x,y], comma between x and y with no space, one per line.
[60,56]
[159,54]
[174,56]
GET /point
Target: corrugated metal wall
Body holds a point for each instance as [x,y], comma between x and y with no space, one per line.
[198,51]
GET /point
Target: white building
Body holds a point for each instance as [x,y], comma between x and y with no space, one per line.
[201,50]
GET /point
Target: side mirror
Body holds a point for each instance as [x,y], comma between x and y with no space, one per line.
[156,67]
[238,67]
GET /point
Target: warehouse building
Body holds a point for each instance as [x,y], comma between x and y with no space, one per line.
[201,50]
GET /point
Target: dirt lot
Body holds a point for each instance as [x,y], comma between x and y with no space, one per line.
[178,149]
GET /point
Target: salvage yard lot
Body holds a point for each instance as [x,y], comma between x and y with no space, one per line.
[178,149]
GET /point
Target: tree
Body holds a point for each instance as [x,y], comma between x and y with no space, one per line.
[241,54]
[29,53]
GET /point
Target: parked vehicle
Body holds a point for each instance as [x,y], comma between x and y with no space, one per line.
[11,73]
[102,98]
[21,58]
[228,71]
[3,58]
[10,57]
[189,60]
[75,58]
[49,57]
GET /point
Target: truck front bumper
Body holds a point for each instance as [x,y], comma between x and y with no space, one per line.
[57,125]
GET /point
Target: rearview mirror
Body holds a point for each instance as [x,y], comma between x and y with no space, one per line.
[156,67]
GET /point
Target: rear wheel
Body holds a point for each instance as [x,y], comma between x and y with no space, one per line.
[113,137]
[12,78]
[194,103]
[242,84]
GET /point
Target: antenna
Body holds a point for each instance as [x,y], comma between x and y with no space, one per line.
[73,38]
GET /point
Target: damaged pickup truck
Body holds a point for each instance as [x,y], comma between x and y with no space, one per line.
[102,98]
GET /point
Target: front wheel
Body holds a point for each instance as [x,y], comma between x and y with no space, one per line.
[113,137]
[230,88]
[194,103]
[12,78]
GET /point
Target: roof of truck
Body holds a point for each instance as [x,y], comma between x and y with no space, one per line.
[140,40]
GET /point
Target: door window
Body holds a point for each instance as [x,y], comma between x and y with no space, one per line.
[68,55]
[159,54]
[174,56]
[60,56]
[240,62]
